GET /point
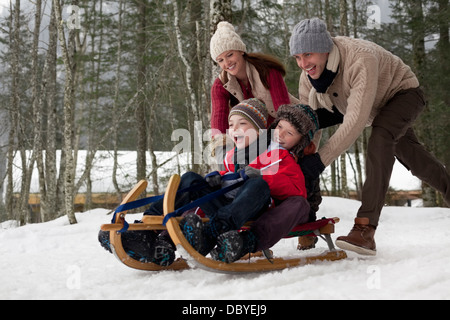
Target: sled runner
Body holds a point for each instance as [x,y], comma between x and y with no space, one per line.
[116,239]
[321,228]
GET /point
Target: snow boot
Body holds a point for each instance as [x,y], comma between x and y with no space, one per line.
[163,251]
[103,238]
[306,242]
[202,237]
[137,244]
[360,239]
[191,226]
[233,245]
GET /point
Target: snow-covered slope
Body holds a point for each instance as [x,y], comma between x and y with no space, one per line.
[56,260]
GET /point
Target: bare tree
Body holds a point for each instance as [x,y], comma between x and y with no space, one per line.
[14,102]
[67,49]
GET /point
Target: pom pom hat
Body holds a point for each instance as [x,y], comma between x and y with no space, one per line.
[225,39]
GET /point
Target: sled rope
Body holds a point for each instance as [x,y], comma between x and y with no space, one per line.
[204,199]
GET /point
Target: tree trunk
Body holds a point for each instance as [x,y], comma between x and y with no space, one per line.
[14,37]
[69,102]
[141,116]
[116,118]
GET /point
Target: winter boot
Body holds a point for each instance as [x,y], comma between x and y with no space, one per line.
[233,245]
[163,251]
[103,238]
[202,237]
[137,244]
[211,231]
[306,242]
[191,226]
[360,239]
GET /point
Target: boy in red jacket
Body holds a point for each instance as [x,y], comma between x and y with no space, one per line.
[295,127]
[277,166]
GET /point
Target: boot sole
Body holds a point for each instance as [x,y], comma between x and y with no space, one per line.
[351,247]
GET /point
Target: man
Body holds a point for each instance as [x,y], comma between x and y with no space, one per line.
[357,83]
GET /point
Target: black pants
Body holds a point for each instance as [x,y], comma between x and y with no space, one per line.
[252,199]
[393,136]
[276,223]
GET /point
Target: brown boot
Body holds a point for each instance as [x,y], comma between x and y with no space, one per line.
[306,243]
[360,239]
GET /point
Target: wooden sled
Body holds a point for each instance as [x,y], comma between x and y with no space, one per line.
[116,238]
[190,257]
[260,265]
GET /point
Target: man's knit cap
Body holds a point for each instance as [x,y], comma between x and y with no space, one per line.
[310,35]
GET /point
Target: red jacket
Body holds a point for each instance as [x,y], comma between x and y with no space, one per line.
[279,169]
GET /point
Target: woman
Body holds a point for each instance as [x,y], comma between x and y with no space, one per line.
[243,76]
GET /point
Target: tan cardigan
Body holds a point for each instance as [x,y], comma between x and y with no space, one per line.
[368,77]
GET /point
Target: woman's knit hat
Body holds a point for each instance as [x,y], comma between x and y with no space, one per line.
[310,35]
[303,118]
[225,39]
[253,110]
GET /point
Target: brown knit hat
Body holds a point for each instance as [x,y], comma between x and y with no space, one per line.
[303,118]
[253,110]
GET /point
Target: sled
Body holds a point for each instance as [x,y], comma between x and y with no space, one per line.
[321,228]
[260,265]
[116,239]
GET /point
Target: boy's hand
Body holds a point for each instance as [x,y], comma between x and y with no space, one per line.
[312,166]
[214,179]
[250,172]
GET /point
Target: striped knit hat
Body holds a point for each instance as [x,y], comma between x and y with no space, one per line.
[253,110]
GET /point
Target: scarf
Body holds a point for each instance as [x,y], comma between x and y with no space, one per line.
[318,96]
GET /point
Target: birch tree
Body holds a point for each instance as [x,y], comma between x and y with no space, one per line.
[15,46]
[67,49]
[48,168]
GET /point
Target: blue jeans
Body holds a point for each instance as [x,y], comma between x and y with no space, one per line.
[252,199]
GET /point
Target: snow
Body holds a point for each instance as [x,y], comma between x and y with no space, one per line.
[56,260]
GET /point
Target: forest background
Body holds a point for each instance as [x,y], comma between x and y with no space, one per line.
[123,75]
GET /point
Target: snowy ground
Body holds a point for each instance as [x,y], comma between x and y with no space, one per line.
[56,260]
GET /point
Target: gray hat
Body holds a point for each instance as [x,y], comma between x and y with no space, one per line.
[310,35]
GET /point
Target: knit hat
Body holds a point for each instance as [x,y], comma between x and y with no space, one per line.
[225,39]
[253,110]
[303,118]
[310,35]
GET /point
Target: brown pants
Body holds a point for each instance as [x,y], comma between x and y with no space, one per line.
[392,136]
